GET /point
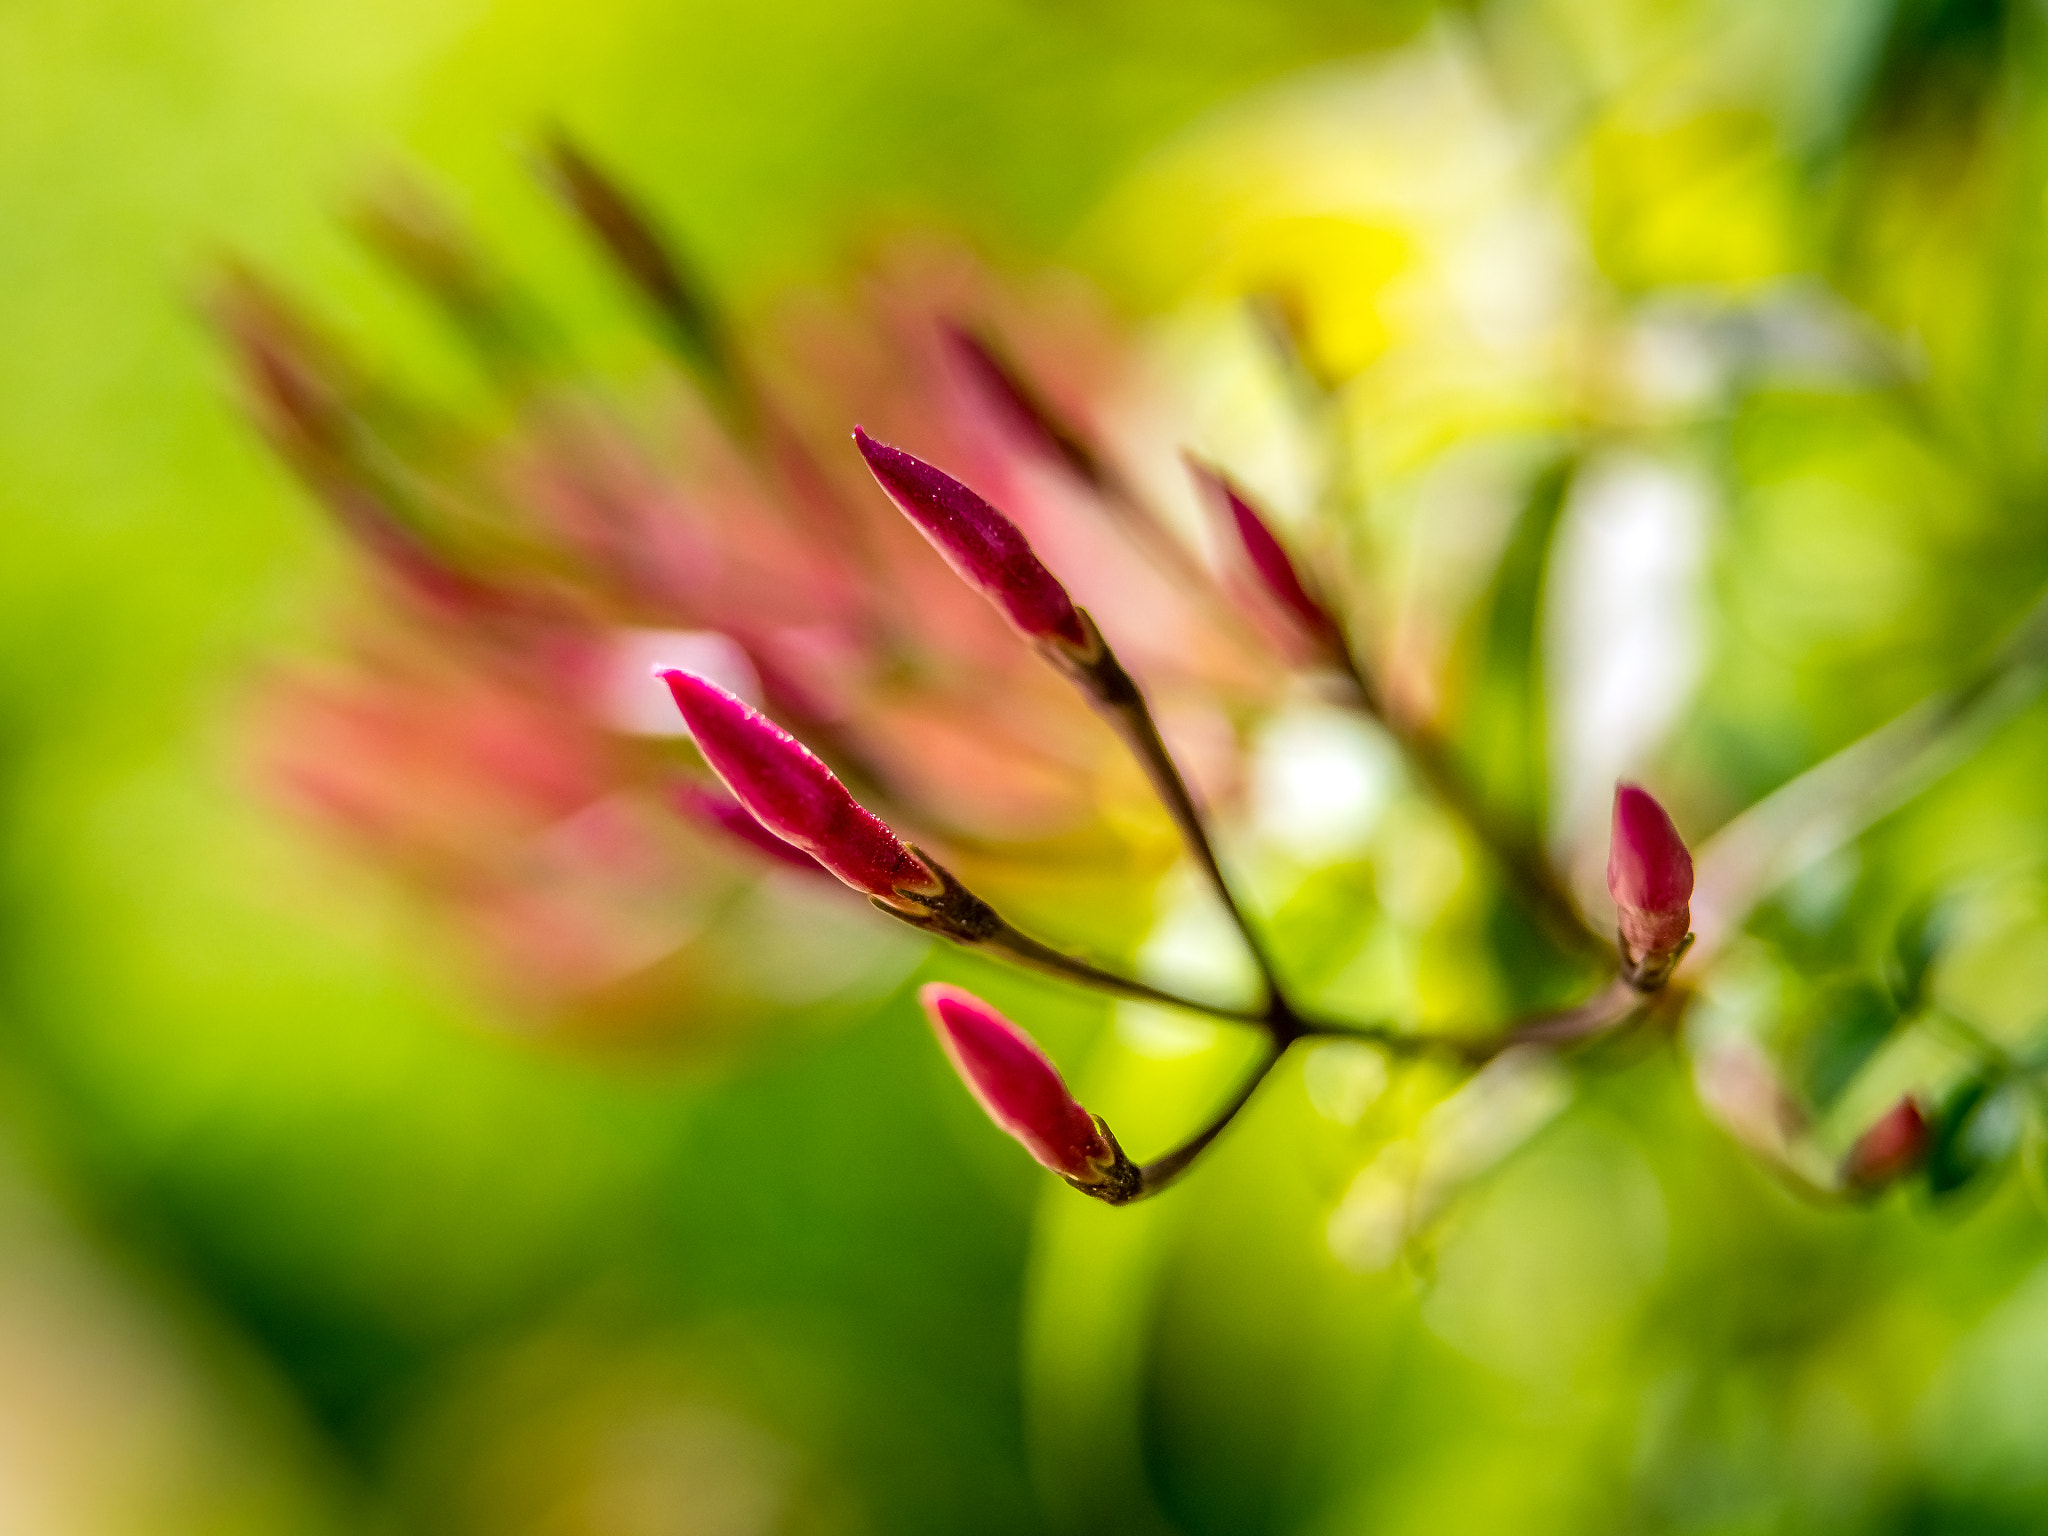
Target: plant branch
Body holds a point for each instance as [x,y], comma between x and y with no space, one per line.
[1164,1171]
[1613,1005]
[1117,698]
[1021,949]
[1527,868]
[962,917]
[958,915]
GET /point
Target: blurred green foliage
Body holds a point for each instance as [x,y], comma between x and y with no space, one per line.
[296,1235]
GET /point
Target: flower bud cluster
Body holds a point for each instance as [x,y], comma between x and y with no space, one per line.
[867,649]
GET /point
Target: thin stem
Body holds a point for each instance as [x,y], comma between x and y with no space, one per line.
[959,915]
[1398,1042]
[1116,697]
[1524,863]
[1613,1005]
[1164,1171]
[1020,947]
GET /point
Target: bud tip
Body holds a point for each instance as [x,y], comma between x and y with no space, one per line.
[1264,553]
[1892,1147]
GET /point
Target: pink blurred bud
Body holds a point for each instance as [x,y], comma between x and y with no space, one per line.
[716,807]
[1023,414]
[1267,558]
[1018,1085]
[988,550]
[1649,874]
[1891,1147]
[795,796]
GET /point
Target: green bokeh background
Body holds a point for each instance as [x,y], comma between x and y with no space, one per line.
[297,1233]
[222,1053]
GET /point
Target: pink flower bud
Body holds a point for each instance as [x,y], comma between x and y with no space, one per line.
[988,550]
[1026,417]
[1266,557]
[715,807]
[1891,1147]
[1018,1085]
[1649,874]
[795,796]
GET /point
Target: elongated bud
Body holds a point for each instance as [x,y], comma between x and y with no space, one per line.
[311,406]
[1893,1146]
[1649,874]
[795,796]
[1026,416]
[1266,556]
[426,246]
[1021,1089]
[988,550]
[715,807]
[650,263]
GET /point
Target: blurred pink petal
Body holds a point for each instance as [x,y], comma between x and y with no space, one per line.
[1890,1148]
[1268,559]
[717,808]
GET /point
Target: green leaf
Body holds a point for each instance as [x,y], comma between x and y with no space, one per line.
[1922,933]
[1501,721]
[1850,1020]
[1976,1130]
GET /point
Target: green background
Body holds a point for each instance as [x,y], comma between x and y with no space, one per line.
[297,1233]
[221,1052]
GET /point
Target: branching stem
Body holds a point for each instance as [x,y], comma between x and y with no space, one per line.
[1117,699]
[1164,1171]
[959,915]
[1527,868]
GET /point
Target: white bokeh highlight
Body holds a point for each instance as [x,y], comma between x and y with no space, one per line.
[1320,781]
[632,699]
[1624,638]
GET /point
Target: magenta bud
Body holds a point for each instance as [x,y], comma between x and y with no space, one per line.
[793,795]
[1018,1085]
[988,550]
[1027,417]
[1893,1146]
[714,806]
[1267,558]
[1649,874]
